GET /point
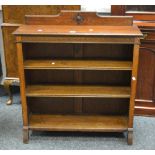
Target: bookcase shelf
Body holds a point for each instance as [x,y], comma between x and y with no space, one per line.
[77,91]
[78,64]
[80,77]
[96,123]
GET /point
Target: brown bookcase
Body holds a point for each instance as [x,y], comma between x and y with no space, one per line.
[78,72]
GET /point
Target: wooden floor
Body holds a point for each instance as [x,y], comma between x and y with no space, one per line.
[78,64]
[77,91]
[78,123]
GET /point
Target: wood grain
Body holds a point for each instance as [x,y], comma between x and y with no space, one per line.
[144,17]
[72,106]
[71,18]
[78,30]
[22,82]
[90,39]
[10,50]
[10,14]
[78,64]
[78,123]
[133,84]
[77,91]
[150,16]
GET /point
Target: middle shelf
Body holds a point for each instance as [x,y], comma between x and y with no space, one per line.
[78,64]
[77,91]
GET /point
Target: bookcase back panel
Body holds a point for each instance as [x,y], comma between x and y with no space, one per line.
[48,51]
[108,51]
[118,78]
[105,106]
[111,78]
[111,106]
[74,51]
[51,105]
[49,77]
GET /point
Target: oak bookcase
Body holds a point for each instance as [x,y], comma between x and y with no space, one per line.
[78,72]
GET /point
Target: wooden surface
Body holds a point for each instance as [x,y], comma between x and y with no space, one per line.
[13,16]
[78,18]
[78,77]
[78,123]
[145,24]
[77,51]
[143,16]
[146,75]
[145,99]
[78,30]
[22,82]
[10,50]
[78,64]
[146,81]
[117,10]
[145,20]
[77,91]
[140,8]
[10,14]
[77,105]
[140,13]
[133,83]
[90,39]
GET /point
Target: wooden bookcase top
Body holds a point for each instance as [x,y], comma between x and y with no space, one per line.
[78,30]
[78,23]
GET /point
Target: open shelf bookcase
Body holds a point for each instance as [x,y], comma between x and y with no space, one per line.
[78,72]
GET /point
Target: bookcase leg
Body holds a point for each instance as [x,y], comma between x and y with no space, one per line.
[25,135]
[130,136]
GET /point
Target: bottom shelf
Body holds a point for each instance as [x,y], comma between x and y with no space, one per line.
[96,123]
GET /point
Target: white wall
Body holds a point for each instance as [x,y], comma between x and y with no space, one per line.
[96,8]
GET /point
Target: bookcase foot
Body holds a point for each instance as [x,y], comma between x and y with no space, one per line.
[25,135]
[130,136]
